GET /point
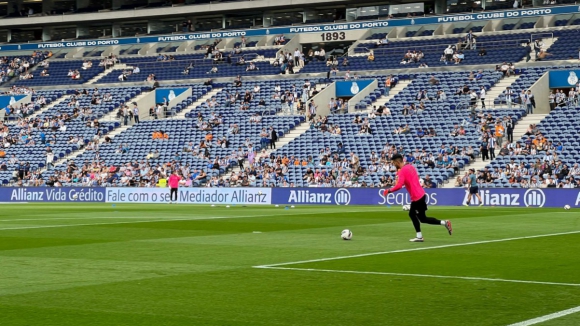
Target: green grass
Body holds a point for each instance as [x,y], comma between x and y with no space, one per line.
[98,264]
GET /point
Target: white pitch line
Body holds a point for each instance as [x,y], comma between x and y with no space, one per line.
[72,218]
[418,249]
[469,278]
[111,223]
[147,221]
[547,317]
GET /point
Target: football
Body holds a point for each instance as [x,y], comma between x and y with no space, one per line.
[76,196]
[406,207]
[566,207]
[346,234]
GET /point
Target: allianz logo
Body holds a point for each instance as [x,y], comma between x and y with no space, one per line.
[341,197]
[531,198]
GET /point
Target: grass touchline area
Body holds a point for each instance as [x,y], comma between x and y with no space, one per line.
[418,249]
[174,265]
[415,275]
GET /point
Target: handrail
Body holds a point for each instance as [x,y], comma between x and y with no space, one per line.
[184,63]
[440,47]
[546,33]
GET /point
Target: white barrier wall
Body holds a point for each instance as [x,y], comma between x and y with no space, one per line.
[323,98]
[229,196]
[361,95]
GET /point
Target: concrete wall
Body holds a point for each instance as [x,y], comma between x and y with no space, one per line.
[179,98]
[323,98]
[292,45]
[115,49]
[227,43]
[541,91]
[144,103]
[75,53]
[361,95]
[222,45]
[401,32]
[187,46]
[25,100]
[149,49]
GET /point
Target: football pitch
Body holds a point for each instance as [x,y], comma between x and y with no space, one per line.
[130,264]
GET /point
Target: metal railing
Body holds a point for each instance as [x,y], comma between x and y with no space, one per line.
[440,47]
[184,63]
[539,36]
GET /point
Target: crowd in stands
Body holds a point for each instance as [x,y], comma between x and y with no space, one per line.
[257,166]
[108,62]
[20,66]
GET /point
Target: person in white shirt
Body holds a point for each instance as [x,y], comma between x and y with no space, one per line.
[552,100]
[136,70]
[509,93]
[473,99]
[136,113]
[482,96]
[448,54]
[297,55]
[572,96]
[347,75]
[504,69]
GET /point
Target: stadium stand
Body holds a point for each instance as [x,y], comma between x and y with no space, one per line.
[546,156]
[225,132]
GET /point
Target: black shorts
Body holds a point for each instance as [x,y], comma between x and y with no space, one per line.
[474,190]
[419,205]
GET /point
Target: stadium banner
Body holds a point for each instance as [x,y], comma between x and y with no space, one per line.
[351,88]
[7,100]
[328,31]
[167,94]
[437,197]
[225,196]
[51,194]
[563,78]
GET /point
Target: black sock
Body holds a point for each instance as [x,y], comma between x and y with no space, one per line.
[415,220]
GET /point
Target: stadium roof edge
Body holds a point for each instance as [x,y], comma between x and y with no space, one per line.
[347,26]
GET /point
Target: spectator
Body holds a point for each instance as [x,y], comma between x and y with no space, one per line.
[252,67]
[383,41]
[542,55]
[213,70]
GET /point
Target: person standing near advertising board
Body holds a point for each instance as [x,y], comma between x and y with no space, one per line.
[173,186]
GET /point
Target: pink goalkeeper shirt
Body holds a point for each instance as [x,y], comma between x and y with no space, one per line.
[409,178]
[174,181]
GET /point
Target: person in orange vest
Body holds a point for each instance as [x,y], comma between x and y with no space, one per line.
[156,135]
[285,160]
[499,133]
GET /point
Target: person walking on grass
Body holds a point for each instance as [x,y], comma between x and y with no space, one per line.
[473,188]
